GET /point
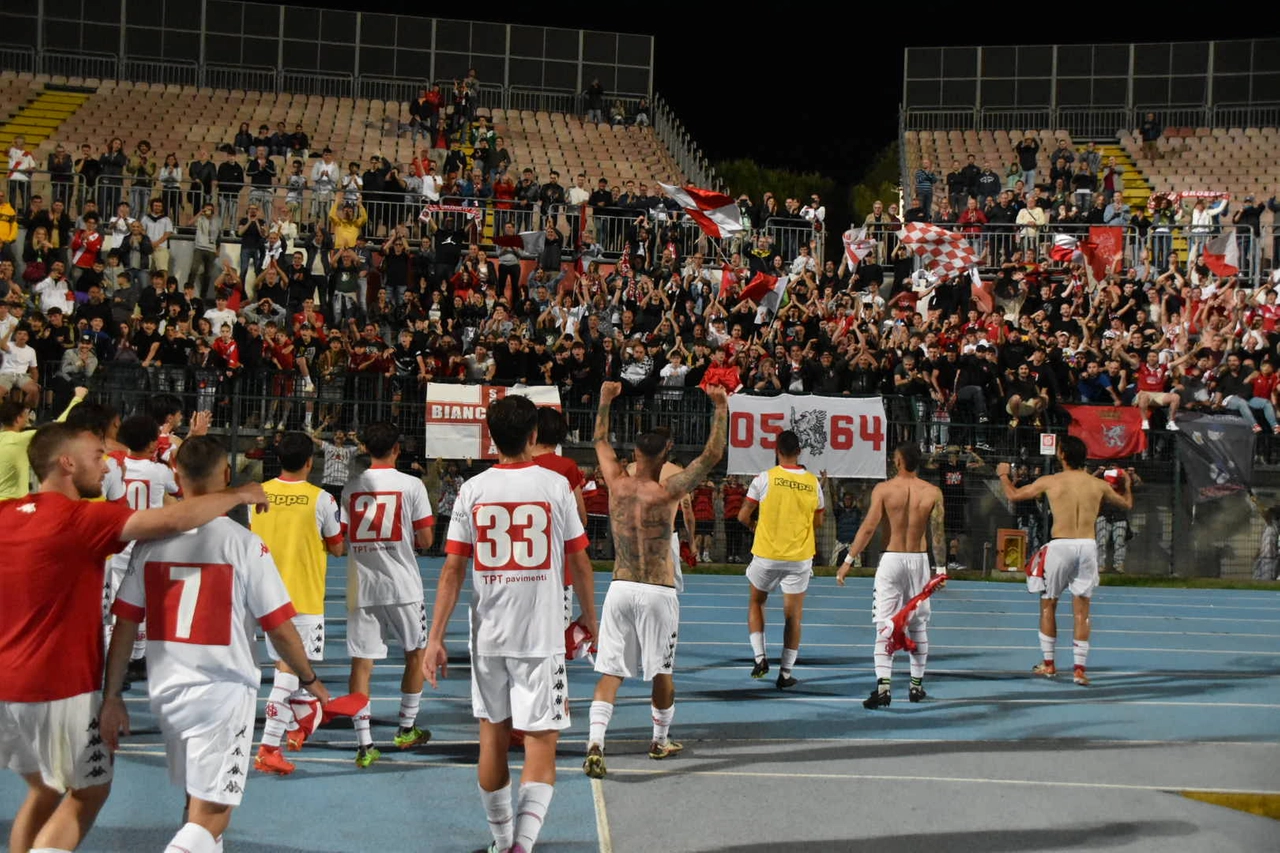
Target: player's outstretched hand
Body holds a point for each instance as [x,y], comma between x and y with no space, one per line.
[253,495]
[718,395]
[113,721]
[609,391]
[1002,469]
[200,422]
[434,660]
[81,392]
[843,572]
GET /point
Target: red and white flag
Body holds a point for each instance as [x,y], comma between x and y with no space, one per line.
[1222,254]
[945,252]
[762,285]
[1064,248]
[716,213]
[857,246]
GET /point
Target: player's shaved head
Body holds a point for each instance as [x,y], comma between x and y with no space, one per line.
[295,450]
[138,432]
[380,439]
[908,454]
[1074,452]
[512,421]
[552,427]
[654,445]
[201,460]
[52,442]
[788,444]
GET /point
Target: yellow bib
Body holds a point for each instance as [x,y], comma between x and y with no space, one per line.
[784,530]
[292,531]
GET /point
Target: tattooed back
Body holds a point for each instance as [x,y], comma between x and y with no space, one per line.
[641,514]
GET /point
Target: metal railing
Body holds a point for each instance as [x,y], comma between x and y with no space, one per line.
[388,89]
[543,100]
[314,83]
[688,158]
[1088,123]
[243,78]
[168,73]
[102,66]
[19,59]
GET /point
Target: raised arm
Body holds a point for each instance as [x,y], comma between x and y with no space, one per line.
[1025,493]
[1111,496]
[605,455]
[680,484]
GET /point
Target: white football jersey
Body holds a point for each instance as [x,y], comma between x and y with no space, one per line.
[381,510]
[516,523]
[113,480]
[145,482]
[200,594]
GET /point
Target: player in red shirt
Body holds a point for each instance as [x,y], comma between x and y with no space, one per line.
[1153,390]
[732,494]
[50,634]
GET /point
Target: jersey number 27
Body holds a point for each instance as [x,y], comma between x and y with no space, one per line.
[375,517]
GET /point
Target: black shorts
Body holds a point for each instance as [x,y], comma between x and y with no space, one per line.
[704,528]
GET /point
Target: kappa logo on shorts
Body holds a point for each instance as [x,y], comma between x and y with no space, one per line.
[235,770]
[238,752]
[93,725]
[560,670]
[232,787]
[241,733]
[97,756]
[96,740]
[559,685]
[97,771]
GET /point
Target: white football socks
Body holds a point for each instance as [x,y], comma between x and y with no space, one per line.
[601,714]
[497,807]
[279,711]
[192,838]
[531,811]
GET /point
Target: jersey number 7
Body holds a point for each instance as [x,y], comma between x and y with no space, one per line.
[512,536]
[189,602]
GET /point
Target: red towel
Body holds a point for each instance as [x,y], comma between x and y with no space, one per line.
[899,639]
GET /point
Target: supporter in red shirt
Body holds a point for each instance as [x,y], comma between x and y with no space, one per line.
[51,626]
[732,494]
[595,498]
[227,349]
[720,373]
[704,518]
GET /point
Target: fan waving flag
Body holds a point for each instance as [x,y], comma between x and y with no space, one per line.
[857,246]
[762,285]
[728,278]
[1222,254]
[945,252]
[1064,248]
[715,213]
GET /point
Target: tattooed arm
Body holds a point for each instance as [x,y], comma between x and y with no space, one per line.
[605,456]
[937,523]
[679,485]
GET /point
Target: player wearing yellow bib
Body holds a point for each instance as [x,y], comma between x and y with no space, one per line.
[301,530]
[790,504]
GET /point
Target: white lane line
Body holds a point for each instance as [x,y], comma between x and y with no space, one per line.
[602,817]
[935,646]
[984,629]
[694,696]
[871,777]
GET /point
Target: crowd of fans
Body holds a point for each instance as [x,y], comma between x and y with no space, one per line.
[316,313]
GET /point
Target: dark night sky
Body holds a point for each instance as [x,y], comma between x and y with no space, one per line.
[812,96]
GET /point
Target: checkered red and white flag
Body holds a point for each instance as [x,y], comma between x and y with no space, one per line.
[946,253]
[715,213]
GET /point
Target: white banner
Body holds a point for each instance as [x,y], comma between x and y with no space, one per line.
[455,417]
[844,436]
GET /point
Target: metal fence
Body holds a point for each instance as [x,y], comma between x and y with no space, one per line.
[1163,535]
[1088,122]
